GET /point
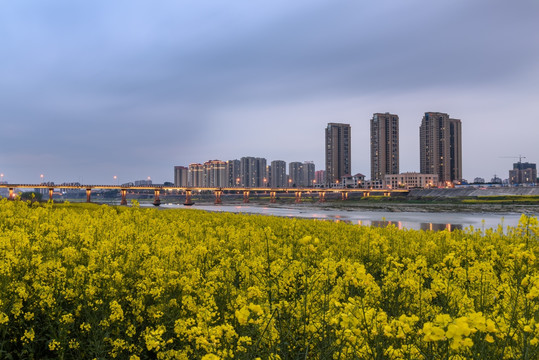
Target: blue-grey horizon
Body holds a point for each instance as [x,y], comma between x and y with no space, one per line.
[93,90]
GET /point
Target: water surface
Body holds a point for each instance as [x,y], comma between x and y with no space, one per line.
[403,219]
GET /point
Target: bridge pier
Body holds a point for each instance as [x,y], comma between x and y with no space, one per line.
[51,190]
[88,193]
[273,195]
[298,196]
[124,196]
[218,194]
[156,201]
[322,196]
[344,195]
[366,194]
[246,197]
[188,198]
[11,194]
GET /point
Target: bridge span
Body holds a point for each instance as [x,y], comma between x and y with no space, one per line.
[218,191]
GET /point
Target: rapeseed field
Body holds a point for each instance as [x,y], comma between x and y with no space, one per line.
[131,283]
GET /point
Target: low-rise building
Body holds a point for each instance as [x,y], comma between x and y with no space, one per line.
[523,174]
[410,180]
[353,181]
[373,184]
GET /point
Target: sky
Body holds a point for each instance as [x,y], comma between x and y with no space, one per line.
[90,90]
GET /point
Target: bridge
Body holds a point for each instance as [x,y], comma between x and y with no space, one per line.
[218,191]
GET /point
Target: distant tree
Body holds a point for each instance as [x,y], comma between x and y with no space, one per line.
[111,193]
[168,183]
[31,195]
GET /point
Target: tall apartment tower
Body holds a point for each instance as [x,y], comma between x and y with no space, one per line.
[253,172]
[233,173]
[181,174]
[196,175]
[295,174]
[214,174]
[308,170]
[440,145]
[384,145]
[278,174]
[338,152]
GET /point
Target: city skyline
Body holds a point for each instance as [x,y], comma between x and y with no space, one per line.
[95,90]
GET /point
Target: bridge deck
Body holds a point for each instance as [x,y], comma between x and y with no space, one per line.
[183,188]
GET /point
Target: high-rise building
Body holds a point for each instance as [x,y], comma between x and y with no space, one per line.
[384,145]
[215,174]
[523,173]
[180,175]
[320,177]
[196,175]
[295,174]
[233,173]
[440,145]
[307,173]
[338,152]
[278,174]
[253,172]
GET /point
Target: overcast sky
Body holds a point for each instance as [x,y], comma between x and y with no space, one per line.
[94,89]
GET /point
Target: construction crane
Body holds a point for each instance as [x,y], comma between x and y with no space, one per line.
[519,157]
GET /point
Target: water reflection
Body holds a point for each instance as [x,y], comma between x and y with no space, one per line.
[422,226]
[429,221]
[440,227]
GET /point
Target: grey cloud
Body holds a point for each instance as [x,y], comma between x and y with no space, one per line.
[107,79]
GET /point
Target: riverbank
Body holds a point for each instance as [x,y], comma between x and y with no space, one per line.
[385,205]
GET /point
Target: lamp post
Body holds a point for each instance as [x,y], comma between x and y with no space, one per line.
[116,178]
[42,176]
[2,177]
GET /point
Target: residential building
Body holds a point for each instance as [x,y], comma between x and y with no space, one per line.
[373,184]
[180,176]
[479,180]
[253,172]
[295,177]
[497,180]
[214,174]
[196,175]
[307,174]
[523,174]
[147,182]
[338,152]
[320,178]
[384,145]
[410,180]
[353,181]
[278,174]
[233,173]
[440,147]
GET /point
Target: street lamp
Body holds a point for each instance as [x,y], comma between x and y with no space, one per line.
[42,176]
[2,177]
[115,178]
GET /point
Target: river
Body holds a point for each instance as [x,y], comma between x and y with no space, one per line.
[402,219]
